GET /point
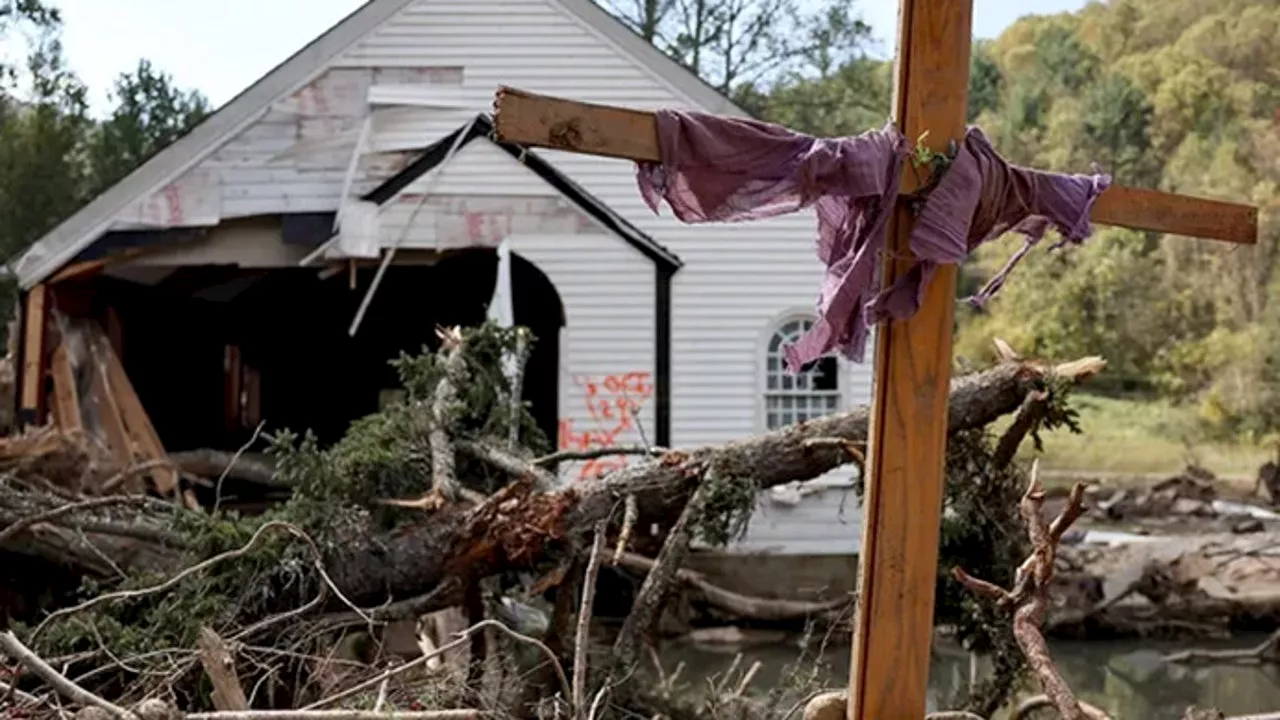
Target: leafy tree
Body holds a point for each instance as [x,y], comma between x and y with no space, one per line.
[150,113]
[41,164]
[1062,62]
[1117,129]
[18,13]
[985,81]
[741,46]
[854,98]
[1103,298]
[1178,94]
[53,156]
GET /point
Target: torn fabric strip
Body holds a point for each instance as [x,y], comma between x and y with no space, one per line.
[719,169]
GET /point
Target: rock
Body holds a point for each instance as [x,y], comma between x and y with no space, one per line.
[827,706]
[1073,536]
[156,709]
[1195,483]
[1244,510]
[1115,506]
[1187,506]
[1117,583]
[1214,588]
[1186,570]
[731,635]
[1269,479]
[1247,525]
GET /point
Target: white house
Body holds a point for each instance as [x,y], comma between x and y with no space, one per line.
[384,119]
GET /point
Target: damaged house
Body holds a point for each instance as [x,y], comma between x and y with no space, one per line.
[240,276]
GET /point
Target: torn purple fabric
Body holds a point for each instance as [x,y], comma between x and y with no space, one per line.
[719,169]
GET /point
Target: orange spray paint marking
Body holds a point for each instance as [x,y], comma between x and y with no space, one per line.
[612,403]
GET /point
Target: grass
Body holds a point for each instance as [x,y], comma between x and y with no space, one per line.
[1142,437]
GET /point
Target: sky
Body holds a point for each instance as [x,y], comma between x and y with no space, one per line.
[222,47]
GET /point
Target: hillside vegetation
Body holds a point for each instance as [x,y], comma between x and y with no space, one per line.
[1181,95]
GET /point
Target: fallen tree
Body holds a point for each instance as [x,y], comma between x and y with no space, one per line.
[352,548]
[518,526]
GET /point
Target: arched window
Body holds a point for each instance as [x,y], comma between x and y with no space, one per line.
[788,398]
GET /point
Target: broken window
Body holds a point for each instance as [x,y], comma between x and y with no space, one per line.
[788,398]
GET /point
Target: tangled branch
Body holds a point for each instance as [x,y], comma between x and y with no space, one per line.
[1029,597]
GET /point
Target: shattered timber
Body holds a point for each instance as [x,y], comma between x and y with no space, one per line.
[422,515]
[378,572]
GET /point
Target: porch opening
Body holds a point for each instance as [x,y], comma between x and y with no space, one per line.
[214,350]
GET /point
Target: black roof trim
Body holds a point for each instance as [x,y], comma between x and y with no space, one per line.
[586,202]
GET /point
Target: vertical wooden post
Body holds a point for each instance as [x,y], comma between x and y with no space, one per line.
[31,399]
[903,505]
[233,410]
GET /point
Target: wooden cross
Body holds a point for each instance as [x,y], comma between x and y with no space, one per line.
[903,502]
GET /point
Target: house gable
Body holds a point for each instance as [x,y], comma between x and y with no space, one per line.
[481,129]
[427,67]
[209,174]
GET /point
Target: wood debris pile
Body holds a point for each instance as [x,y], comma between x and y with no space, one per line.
[1184,498]
[72,461]
[308,597]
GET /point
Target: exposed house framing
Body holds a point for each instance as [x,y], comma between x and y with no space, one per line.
[69,238]
[44,340]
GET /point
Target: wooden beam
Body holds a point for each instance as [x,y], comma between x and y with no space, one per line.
[85,269]
[142,436]
[65,397]
[1155,211]
[902,504]
[109,415]
[31,397]
[525,118]
[78,270]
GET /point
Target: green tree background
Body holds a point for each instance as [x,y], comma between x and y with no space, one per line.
[1181,95]
[54,157]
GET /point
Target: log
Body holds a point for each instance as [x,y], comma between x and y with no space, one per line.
[744,606]
[220,665]
[418,565]
[213,464]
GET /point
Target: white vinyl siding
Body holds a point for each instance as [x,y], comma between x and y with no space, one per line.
[736,279]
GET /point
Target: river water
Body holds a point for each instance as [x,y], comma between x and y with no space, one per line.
[1128,679]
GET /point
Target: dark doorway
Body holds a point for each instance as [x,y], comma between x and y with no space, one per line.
[536,305]
[280,336]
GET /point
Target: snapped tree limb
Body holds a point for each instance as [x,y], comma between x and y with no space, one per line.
[519,527]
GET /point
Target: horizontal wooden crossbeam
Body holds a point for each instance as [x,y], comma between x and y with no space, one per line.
[526,118]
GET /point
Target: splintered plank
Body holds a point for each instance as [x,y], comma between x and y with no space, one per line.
[137,424]
[1155,211]
[220,665]
[32,396]
[66,400]
[902,504]
[108,413]
[525,118]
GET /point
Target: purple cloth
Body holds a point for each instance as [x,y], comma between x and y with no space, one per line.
[720,169]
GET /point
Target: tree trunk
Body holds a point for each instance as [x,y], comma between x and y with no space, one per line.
[518,526]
